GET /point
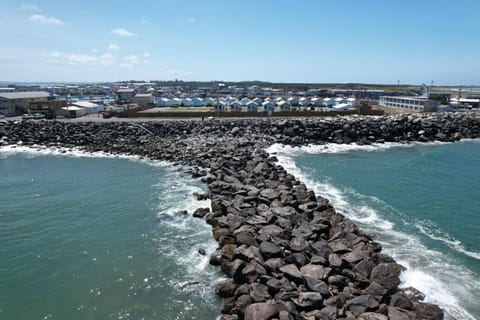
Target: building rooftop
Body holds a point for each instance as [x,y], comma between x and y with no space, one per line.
[143,95]
[125,90]
[24,95]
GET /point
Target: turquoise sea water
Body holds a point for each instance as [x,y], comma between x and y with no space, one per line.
[97,238]
[422,203]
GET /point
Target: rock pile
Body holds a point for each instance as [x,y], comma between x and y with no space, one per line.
[287,252]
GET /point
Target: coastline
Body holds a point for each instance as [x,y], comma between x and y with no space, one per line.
[287,250]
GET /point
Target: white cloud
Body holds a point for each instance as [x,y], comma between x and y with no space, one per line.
[41,19]
[123,32]
[126,65]
[56,54]
[113,46]
[132,59]
[146,54]
[29,7]
[106,59]
[81,59]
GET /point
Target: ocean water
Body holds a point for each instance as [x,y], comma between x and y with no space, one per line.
[420,201]
[96,237]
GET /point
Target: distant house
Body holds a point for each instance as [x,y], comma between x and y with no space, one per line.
[187,102]
[268,106]
[209,102]
[15,103]
[258,101]
[176,102]
[328,102]
[284,106]
[198,102]
[352,102]
[220,106]
[304,102]
[317,101]
[340,100]
[293,101]
[244,101]
[252,106]
[143,99]
[126,94]
[163,102]
[235,106]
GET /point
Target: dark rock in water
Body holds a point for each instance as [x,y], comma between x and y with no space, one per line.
[226,288]
[400,300]
[361,304]
[215,260]
[260,311]
[413,294]
[201,212]
[181,213]
[202,252]
[387,275]
[427,311]
[400,314]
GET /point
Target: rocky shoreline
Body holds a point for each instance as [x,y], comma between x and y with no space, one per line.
[287,252]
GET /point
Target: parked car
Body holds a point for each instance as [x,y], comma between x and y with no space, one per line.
[38,116]
[2,116]
[28,116]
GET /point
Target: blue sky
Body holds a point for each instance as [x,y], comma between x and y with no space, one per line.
[270,40]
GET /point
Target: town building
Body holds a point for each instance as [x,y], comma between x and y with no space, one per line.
[419,103]
[16,103]
[126,94]
[144,99]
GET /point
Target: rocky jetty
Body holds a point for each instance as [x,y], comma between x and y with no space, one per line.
[287,252]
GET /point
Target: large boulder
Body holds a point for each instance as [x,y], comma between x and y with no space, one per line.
[260,311]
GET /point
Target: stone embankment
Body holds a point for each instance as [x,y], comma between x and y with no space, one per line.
[287,252]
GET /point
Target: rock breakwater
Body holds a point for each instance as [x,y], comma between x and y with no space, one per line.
[287,252]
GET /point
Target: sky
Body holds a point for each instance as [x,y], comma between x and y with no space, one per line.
[306,41]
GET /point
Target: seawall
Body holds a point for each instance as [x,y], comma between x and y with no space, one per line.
[287,252]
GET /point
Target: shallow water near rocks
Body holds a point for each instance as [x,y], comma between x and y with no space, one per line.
[85,237]
[420,201]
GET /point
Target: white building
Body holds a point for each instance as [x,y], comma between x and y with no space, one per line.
[420,104]
[352,102]
[328,102]
[187,102]
[198,102]
[163,102]
[143,99]
[317,101]
[340,100]
[284,106]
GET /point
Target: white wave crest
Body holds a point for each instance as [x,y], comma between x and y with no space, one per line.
[429,229]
